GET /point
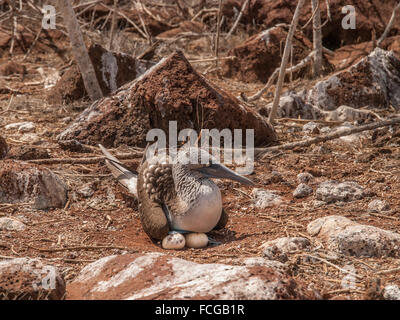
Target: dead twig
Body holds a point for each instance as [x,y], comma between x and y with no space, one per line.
[127,19]
[203,11]
[33,44]
[389,25]
[330,136]
[212,59]
[15,26]
[80,52]
[311,18]
[91,160]
[157,18]
[218,33]
[143,24]
[284,62]
[333,265]
[81,248]
[317,40]
[237,19]
[389,271]
[273,76]
[112,29]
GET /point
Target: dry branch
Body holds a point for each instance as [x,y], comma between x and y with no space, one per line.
[151,15]
[238,19]
[317,39]
[330,136]
[311,18]
[80,52]
[91,160]
[212,59]
[389,25]
[285,59]
[218,32]
[203,11]
[15,26]
[273,76]
[82,248]
[127,19]
[112,30]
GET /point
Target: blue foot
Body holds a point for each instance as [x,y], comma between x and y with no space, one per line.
[178,231]
[213,242]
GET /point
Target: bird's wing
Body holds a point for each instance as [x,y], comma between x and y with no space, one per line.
[153,214]
[125,177]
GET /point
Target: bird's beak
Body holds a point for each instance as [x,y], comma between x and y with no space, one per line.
[221,172]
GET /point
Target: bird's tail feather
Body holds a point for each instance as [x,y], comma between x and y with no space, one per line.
[125,177]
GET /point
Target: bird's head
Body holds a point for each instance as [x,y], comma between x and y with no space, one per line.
[203,163]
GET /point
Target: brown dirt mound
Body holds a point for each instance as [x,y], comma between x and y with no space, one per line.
[24,38]
[346,56]
[21,182]
[171,91]
[259,56]
[186,26]
[373,82]
[3,147]
[21,279]
[12,67]
[112,71]
[27,153]
[370,15]
[386,136]
[166,18]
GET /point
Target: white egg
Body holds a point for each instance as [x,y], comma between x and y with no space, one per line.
[196,240]
[173,241]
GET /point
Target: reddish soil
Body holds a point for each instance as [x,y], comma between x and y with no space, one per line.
[346,56]
[70,88]
[370,15]
[258,57]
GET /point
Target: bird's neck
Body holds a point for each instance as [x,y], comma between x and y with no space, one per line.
[187,183]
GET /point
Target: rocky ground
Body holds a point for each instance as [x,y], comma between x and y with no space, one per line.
[322,222]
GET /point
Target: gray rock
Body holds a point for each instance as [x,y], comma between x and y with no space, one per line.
[21,126]
[321,150]
[311,127]
[10,224]
[318,203]
[24,182]
[279,249]
[345,113]
[257,262]
[352,138]
[378,206]
[265,198]
[293,106]
[379,89]
[325,130]
[302,191]
[30,279]
[391,292]
[332,191]
[350,238]
[274,177]
[150,275]
[86,191]
[304,177]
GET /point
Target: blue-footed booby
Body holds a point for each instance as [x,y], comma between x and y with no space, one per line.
[177,197]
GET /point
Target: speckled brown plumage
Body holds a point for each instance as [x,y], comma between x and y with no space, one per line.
[156,188]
